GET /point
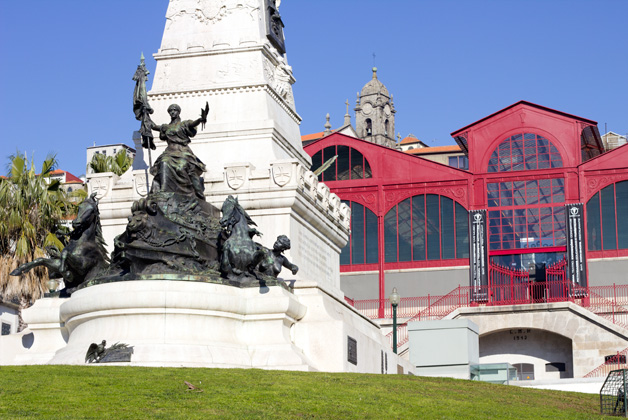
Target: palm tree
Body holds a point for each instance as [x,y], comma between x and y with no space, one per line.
[32,206]
[117,164]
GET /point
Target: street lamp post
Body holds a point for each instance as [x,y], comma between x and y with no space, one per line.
[394,301]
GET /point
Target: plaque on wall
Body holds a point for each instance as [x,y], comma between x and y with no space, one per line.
[274,26]
[576,257]
[478,252]
[352,350]
[6,329]
[382,360]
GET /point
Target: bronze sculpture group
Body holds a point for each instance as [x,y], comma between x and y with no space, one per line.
[173,230]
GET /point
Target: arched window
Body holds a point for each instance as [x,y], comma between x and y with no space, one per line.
[350,164]
[386,127]
[426,227]
[523,152]
[607,224]
[369,127]
[363,244]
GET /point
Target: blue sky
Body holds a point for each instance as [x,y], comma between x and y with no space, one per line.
[66,65]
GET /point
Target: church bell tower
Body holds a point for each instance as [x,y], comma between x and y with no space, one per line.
[375,113]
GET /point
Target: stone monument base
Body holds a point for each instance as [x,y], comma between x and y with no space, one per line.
[186,324]
[196,321]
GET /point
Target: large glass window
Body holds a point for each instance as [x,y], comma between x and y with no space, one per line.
[426,227]
[524,214]
[460,162]
[607,224]
[523,152]
[349,164]
[362,246]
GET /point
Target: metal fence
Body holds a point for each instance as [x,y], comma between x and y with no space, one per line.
[609,302]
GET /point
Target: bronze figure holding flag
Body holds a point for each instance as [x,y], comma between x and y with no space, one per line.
[141,108]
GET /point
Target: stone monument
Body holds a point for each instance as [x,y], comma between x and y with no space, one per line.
[187,287]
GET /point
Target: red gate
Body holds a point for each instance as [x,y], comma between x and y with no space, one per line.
[508,286]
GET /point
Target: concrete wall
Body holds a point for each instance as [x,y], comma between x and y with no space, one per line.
[409,283]
[605,272]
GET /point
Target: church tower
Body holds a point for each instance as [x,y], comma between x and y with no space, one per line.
[375,113]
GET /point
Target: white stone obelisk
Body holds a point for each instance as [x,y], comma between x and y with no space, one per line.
[230,54]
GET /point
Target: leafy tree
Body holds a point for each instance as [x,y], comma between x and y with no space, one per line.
[32,206]
[117,164]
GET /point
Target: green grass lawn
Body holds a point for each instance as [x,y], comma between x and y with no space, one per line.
[106,392]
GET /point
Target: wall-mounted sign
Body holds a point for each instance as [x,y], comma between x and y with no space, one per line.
[478,253]
[576,257]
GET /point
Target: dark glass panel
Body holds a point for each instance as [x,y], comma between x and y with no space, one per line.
[448,227]
[357,164]
[371,237]
[558,190]
[329,174]
[519,198]
[433,227]
[357,233]
[532,192]
[404,224]
[345,253]
[609,237]
[530,161]
[542,144]
[462,232]
[418,228]
[492,190]
[317,162]
[343,163]
[368,173]
[594,237]
[621,191]
[390,235]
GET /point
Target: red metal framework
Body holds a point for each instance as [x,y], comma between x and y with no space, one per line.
[530,165]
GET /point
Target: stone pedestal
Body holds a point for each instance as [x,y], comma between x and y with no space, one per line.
[47,334]
[185,323]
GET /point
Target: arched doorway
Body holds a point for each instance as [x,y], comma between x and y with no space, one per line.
[536,353]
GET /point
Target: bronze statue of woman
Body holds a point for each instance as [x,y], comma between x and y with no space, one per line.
[178,169]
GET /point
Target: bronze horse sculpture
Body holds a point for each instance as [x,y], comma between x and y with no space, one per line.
[85,255]
[240,254]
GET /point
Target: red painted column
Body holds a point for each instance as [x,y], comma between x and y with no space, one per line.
[380,265]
